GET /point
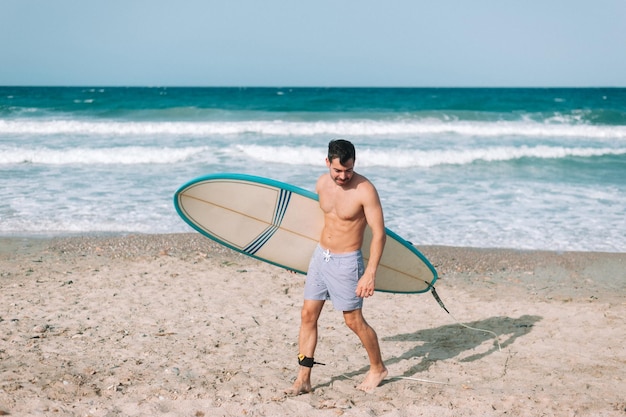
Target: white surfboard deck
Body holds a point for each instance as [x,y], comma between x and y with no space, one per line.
[281,224]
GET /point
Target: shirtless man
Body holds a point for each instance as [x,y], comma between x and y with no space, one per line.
[349,202]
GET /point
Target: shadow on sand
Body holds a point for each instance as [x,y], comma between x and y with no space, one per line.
[452,341]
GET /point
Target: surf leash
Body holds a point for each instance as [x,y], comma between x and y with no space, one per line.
[433,291]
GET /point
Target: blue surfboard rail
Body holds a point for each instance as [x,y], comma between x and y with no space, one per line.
[293,189]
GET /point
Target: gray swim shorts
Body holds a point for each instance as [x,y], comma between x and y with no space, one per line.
[334,277]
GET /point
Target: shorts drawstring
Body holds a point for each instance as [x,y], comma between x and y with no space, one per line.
[327,255]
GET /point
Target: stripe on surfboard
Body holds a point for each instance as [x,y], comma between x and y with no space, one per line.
[279,213]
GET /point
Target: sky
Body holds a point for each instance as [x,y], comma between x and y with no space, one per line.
[328,43]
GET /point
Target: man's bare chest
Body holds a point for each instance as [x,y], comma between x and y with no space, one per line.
[344,207]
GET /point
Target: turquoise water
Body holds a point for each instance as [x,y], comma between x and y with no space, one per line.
[517,168]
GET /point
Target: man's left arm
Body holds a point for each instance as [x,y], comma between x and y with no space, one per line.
[375,219]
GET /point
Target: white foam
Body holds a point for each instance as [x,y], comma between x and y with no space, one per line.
[351,127]
[104,156]
[290,155]
[401,158]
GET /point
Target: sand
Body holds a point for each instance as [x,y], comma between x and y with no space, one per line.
[175,325]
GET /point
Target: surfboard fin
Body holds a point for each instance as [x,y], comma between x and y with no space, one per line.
[434,293]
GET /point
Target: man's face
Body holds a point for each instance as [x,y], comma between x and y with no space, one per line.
[341,174]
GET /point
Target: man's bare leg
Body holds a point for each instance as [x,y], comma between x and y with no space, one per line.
[307,341]
[378,372]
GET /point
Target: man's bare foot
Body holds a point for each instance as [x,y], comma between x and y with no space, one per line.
[372,380]
[298,388]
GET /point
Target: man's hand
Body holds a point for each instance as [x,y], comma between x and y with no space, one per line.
[365,287]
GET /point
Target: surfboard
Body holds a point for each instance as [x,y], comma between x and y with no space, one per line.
[281,224]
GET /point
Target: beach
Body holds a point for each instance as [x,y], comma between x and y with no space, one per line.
[176,325]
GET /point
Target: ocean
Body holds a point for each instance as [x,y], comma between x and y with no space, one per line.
[508,168]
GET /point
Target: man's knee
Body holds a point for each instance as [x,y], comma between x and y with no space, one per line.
[310,313]
[354,320]
[307,316]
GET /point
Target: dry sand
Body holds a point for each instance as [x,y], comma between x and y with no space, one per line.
[175,325]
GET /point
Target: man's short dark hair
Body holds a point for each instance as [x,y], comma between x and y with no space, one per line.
[342,149]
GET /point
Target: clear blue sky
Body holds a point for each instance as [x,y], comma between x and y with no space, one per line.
[417,43]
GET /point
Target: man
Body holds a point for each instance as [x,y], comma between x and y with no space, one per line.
[350,203]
